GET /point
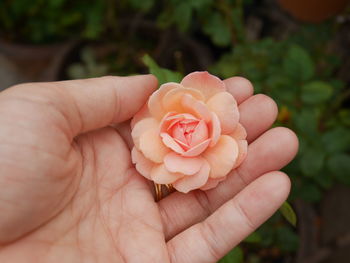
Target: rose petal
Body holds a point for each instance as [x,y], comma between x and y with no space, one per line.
[225,107]
[155,105]
[195,181]
[197,150]
[141,127]
[204,82]
[212,183]
[243,150]
[152,146]
[177,164]
[142,114]
[214,129]
[222,156]
[171,143]
[161,175]
[239,133]
[199,134]
[172,99]
[142,164]
[196,107]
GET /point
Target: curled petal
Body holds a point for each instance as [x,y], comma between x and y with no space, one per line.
[152,146]
[222,156]
[155,105]
[160,175]
[197,150]
[239,133]
[172,99]
[242,152]
[196,107]
[177,164]
[214,129]
[171,143]
[141,127]
[225,107]
[142,164]
[195,181]
[212,183]
[204,82]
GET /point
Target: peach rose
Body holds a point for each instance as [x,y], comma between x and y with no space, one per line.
[189,134]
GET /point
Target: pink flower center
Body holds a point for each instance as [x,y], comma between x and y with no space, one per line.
[187,130]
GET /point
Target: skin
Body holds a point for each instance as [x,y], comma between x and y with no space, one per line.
[69,192]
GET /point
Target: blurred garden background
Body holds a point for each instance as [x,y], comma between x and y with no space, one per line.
[297,52]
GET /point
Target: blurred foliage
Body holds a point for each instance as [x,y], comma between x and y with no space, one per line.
[298,71]
[45,21]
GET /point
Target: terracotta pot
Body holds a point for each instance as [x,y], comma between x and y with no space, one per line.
[36,62]
[313,10]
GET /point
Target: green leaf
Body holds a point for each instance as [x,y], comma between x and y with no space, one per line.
[182,16]
[339,165]
[288,213]
[253,238]
[298,63]
[234,256]
[143,5]
[218,30]
[336,140]
[316,92]
[344,115]
[163,75]
[306,121]
[312,161]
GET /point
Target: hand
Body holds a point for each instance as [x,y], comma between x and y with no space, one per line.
[69,193]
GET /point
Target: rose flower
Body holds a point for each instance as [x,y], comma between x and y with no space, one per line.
[189,134]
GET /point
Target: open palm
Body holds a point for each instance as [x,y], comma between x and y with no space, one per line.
[69,192]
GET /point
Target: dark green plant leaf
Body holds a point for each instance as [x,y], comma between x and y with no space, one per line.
[298,63]
[336,140]
[316,92]
[339,166]
[253,238]
[234,256]
[163,75]
[288,213]
[218,30]
[312,160]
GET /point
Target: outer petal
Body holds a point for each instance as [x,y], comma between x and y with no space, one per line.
[155,105]
[196,107]
[204,82]
[161,175]
[177,164]
[141,127]
[172,99]
[243,150]
[212,183]
[142,114]
[222,156]
[142,164]
[195,181]
[239,133]
[214,129]
[152,146]
[225,107]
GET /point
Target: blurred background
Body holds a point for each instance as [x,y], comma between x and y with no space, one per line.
[297,52]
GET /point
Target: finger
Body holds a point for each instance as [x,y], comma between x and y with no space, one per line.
[272,151]
[91,104]
[240,88]
[257,114]
[124,130]
[211,239]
